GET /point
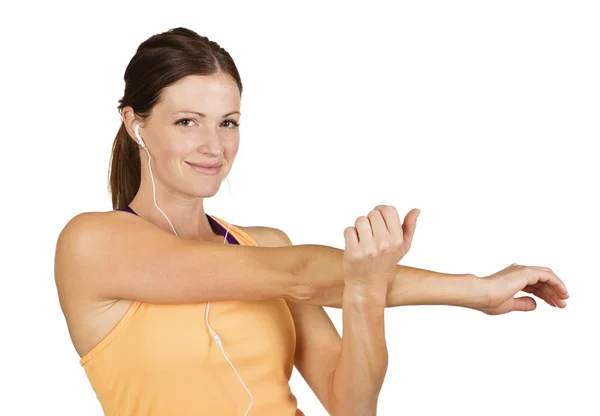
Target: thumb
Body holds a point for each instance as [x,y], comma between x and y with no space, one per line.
[409,228]
[524,304]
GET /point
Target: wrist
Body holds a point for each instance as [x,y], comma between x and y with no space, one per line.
[478,292]
[371,293]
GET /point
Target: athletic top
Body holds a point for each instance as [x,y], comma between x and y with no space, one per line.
[161,360]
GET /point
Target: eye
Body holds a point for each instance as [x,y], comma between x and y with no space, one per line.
[179,122]
[235,123]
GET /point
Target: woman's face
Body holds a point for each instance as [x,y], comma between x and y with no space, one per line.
[177,136]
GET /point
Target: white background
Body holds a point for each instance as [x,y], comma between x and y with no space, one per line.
[484,115]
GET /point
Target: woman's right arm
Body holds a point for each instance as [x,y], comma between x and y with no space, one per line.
[116,257]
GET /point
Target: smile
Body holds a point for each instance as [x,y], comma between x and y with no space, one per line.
[205,170]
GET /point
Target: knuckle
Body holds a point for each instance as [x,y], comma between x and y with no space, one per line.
[391,210]
[356,256]
[374,213]
[384,245]
[369,253]
[360,220]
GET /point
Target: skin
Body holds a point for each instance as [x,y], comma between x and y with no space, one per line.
[327,365]
[174,137]
[374,246]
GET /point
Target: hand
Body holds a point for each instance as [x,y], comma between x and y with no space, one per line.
[502,286]
[375,245]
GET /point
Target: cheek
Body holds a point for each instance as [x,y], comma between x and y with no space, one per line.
[171,154]
[231,148]
[182,147]
[178,149]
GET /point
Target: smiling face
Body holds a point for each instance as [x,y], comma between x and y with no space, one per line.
[195,122]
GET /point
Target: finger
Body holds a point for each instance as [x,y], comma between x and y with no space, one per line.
[524,304]
[537,292]
[537,274]
[410,224]
[559,296]
[392,220]
[542,289]
[560,285]
[380,229]
[550,292]
[540,294]
[365,234]
[548,282]
[351,238]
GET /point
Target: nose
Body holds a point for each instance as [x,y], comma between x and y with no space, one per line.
[211,142]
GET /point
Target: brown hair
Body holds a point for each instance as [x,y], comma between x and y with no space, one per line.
[160,61]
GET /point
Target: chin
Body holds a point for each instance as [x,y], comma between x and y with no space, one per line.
[206,190]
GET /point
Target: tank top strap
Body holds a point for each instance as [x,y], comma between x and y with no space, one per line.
[218,228]
[128,209]
[215,225]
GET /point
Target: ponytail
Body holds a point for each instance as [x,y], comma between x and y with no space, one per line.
[125,170]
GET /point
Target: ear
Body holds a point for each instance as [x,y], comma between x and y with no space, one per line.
[130,121]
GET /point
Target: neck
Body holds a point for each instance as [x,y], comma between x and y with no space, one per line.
[187,215]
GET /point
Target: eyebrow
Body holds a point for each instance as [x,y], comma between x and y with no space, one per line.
[204,115]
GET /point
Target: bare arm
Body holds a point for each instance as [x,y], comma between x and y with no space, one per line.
[113,256]
[124,257]
[362,364]
[411,286]
[374,246]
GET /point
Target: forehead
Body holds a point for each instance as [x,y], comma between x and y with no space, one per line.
[217,94]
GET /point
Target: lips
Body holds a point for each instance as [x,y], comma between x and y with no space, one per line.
[209,169]
[206,166]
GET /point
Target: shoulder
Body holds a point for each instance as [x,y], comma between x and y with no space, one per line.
[82,239]
[77,228]
[87,227]
[90,235]
[267,236]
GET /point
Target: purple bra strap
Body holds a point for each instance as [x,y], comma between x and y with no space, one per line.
[213,223]
[127,208]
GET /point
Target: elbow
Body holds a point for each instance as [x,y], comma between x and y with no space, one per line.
[298,292]
[298,285]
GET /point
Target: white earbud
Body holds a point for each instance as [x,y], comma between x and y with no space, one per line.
[137,133]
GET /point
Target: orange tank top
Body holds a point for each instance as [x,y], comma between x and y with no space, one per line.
[161,360]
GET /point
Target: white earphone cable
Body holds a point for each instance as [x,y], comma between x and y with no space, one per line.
[212,331]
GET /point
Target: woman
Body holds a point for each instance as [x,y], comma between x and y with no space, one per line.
[136,284]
